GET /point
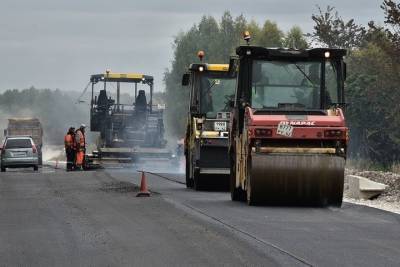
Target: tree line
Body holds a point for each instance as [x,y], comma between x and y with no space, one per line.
[373,81]
[57,110]
[218,39]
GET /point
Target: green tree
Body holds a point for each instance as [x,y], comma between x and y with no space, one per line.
[255,32]
[373,111]
[372,83]
[330,29]
[295,38]
[240,26]
[218,39]
[271,35]
[56,110]
[392,16]
[227,32]
[392,19]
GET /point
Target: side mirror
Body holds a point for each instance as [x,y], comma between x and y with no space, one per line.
[185,79]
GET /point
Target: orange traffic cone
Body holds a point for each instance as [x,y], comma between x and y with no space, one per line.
[144,192]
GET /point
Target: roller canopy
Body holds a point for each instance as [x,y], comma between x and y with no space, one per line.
[271,53]
[122,77]
[209,67]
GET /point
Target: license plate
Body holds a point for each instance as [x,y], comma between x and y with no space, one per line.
[285,129]
[18,154]
[220,126]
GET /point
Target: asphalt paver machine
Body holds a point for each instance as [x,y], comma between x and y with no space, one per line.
[127,131]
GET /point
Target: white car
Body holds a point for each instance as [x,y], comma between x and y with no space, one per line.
[19,152]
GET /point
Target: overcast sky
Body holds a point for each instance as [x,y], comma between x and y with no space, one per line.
[59,43]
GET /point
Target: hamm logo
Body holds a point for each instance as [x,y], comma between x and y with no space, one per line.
[299,123]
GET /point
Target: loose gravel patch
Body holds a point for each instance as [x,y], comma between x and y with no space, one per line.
[119,187]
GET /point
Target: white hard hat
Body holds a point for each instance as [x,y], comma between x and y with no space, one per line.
[83,125]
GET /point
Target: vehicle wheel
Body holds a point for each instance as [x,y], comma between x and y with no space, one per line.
[3,169]
[250,196]
[189,180]
[197,183]
[195,175]
[236,193]
[36,168]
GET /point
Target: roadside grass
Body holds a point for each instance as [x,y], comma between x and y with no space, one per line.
[368,165]
[395,167]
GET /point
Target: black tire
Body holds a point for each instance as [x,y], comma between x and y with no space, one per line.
[3,169]
[35,168]
[237,194]
[189,180]
[197,181]
[249,196]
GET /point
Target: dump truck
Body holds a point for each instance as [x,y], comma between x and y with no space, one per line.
[211,87]
[288,138]
[128,131]
[27,127]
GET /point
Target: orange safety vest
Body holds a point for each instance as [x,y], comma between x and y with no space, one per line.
[80,140]
[68,141]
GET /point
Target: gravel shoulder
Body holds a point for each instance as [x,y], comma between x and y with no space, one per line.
[389,200]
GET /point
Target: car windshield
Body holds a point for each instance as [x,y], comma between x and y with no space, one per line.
[292,85]
[18,143]
[215,94]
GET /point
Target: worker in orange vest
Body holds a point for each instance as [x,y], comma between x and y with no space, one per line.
[69,143]
[80,147]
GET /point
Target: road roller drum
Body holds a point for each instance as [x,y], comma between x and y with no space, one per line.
[295,179]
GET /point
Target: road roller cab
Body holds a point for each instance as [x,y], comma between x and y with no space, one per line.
[212,88]
[288,137]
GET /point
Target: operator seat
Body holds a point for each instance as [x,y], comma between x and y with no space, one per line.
[102,101]
[141,101]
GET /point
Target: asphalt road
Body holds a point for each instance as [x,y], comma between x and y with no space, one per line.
[54,218]
[353,235]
